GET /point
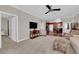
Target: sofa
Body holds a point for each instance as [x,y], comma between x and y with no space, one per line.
[75,32]
[61,44]
[75,44]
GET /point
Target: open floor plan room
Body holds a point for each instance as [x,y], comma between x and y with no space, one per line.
[39,29]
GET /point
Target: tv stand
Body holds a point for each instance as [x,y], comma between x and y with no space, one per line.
[34,33]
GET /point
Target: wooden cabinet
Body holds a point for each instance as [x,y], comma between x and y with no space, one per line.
[34,33]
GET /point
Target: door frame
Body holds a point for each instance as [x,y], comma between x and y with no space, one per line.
[15,20]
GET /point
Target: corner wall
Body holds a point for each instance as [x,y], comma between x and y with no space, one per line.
[23,21]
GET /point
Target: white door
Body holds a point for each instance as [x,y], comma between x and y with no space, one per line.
[0,32]
[13,28]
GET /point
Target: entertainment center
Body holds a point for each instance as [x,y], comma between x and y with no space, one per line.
[34,32]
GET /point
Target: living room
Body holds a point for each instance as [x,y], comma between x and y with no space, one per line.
[48,29]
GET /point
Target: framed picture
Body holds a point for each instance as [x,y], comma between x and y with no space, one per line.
[74,26]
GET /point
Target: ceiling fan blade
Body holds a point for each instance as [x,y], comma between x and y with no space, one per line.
[47,12]
[56,9]
[48,7]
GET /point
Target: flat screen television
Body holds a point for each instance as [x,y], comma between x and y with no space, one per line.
[33,25]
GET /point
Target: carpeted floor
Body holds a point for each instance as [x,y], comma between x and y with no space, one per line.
[39,45]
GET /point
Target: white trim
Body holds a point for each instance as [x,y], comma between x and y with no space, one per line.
[0,33]
[17,27]
[25,12]
[13,39]
[18,8]
[15,18]
[9,14]
[22,39]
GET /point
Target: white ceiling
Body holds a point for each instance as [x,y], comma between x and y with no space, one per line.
[39,11]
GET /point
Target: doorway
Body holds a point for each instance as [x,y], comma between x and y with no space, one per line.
[54,28]
[8,28]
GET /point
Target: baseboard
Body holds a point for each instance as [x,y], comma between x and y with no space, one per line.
[13,39]
[22,39]
[17,40]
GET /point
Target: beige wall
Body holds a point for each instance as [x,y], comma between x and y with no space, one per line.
[70,20]
[66,21]
[76,18]
[23,21]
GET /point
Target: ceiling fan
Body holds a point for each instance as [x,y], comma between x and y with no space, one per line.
[50,9]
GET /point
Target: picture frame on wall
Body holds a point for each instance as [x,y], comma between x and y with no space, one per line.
[74,26]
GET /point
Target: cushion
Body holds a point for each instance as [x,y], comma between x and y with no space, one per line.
[68,35]
[77,36]
[60,45]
